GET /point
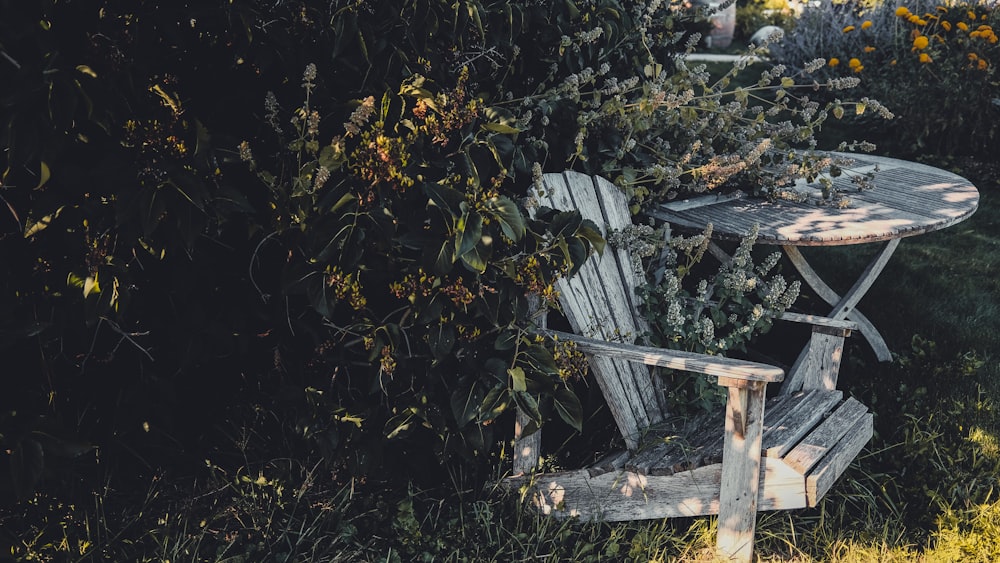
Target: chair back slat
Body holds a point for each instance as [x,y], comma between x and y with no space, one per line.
[600,302]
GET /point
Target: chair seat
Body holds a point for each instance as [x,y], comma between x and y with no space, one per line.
[810,437]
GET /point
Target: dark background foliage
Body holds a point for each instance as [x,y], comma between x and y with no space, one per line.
[154,289]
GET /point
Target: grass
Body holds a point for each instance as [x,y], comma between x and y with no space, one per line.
[925,489]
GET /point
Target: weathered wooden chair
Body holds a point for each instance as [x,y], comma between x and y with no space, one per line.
[759,454]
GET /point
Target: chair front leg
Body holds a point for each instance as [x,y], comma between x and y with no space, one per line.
[740,468]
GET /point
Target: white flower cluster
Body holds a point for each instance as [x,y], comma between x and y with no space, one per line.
[640,241]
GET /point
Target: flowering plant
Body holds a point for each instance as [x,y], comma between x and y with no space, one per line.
[402,224]
[946,53]
[716,314]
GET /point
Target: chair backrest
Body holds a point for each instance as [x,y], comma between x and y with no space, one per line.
[600,302]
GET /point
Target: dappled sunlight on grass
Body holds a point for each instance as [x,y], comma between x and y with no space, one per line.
[987,442]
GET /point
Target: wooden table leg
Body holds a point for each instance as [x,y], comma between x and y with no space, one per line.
[843,306]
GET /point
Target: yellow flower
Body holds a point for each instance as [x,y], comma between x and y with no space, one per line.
[973,57]
[866,24]
[913,18]
[869,49]
[834,61]
[902,12]
[848,29]
[920,43]
[946,25]
[859,68]
[982,64]
[892,63]
[942,9]
[963,26]
[925,58]
[854,63]
[920,21]
[975,33]
[972,15]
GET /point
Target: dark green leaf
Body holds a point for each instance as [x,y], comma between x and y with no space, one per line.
[27,462]
[528,405]
[59,447]
[565,223]
[402,423]
[497,401]
[498,369]
[477,258]
[588,230]
[569,408]
[509,217]
[442,340]
[448,199]
[468,232]
[466,400]
[445,258]
[506,339]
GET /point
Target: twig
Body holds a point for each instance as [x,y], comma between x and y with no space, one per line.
[10,60]
[263,296]
[126,336]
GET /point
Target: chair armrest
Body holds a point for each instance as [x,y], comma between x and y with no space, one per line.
[718,366]
[819,321]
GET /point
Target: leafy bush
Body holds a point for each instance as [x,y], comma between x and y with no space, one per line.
[191,227]
[946,55]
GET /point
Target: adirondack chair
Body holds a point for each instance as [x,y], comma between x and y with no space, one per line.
[759,454]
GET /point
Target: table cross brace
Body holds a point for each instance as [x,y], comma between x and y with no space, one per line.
[843,306]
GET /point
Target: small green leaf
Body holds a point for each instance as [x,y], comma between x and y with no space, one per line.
[501,128]
[518,381]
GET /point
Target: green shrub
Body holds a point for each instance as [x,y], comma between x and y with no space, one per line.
[194,223]
[933,64]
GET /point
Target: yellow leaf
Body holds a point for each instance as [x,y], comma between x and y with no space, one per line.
[87,70]
[787,82]
[90,285]
[42,224]
[44,175]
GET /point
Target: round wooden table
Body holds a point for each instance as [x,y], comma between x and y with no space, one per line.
[908,199]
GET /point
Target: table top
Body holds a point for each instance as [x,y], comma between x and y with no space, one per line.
[908,199]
